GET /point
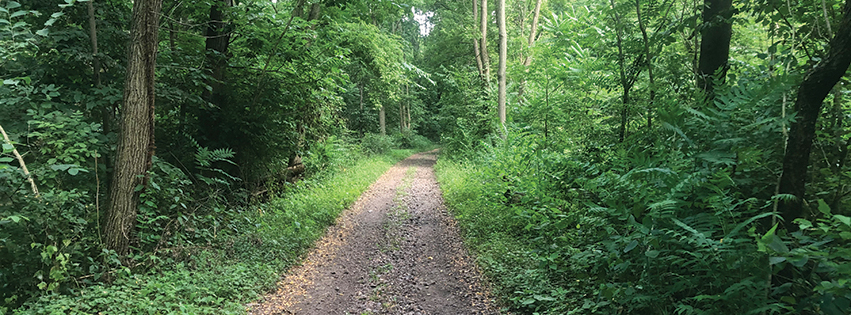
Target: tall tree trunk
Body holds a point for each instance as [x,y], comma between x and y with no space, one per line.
[382,124]
[93,35]
[649,60]
[401,117]
[714,43]
[136,139]
[216,47]
[811,93]
[503,58]
[484,45]
[479,65]
[360,95]
[531,42]
[533,33]
[625,84]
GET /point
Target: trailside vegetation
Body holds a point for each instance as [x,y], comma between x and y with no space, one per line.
[661,156]
[627,156]
[163,156]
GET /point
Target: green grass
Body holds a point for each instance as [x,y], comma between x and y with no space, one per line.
[491,230]
[231,272]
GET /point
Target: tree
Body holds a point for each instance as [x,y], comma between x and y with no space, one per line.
[136,138]
[627,77]
[649,62]
[216,48]
[531,42]
[716,32]
[818,82]
[484,45]
[503,58]
[478,52]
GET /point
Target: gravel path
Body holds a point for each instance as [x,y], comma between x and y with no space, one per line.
[395,251]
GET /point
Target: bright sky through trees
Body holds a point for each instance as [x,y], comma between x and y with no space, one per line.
[423,19]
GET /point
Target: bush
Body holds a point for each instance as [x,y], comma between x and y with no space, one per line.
[410,140]
[377,144]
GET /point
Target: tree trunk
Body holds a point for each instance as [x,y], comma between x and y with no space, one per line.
[622,73]
[533,33]
[136,139]
[408,107]
[715,42]
[649,60]
[479,64]
[93,35]
[401,117]
[503,58]
[20,159]
[811,93]
[216,47]
[360,95]
[484,46]
[531,42]
[381,121]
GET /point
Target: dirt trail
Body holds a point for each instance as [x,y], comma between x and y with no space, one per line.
[395,251]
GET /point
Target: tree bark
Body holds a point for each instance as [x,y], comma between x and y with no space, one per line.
[625,84]
[503,58]
[93,35]
[715,42]
[817,83]
[381,121]
[479,64]
[407,107]
[136,139]
[401,117]
[484,45]
[533,33]
[649,60]
[531,42]
[216,47]
[20,159]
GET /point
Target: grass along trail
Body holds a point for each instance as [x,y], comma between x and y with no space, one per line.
[395,251]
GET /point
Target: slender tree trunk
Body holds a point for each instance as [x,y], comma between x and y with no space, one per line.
[408,107]
[826,19]
[649,55]
[401,117]
[93,35]
[484,46]
[216,47]
[503,59]
[715,42]
[531,42]
[811,93]
[479,65]
[381,121]
[622,73]
[20,159]
[172,37]
[136,139]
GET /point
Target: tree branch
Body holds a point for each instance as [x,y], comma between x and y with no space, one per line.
[20,161]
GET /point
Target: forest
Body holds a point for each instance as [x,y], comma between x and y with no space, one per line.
[599,156]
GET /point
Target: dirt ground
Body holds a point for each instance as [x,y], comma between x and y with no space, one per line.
[395,251]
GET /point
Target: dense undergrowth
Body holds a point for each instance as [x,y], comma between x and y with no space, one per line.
[195,255]
[677,221]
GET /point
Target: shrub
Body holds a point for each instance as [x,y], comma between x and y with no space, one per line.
[377,144]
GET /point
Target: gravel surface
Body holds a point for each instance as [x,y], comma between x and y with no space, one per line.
[395,251]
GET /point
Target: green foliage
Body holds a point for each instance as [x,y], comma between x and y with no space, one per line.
[676,214]
[209,258]
[377,144]
[410,140]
